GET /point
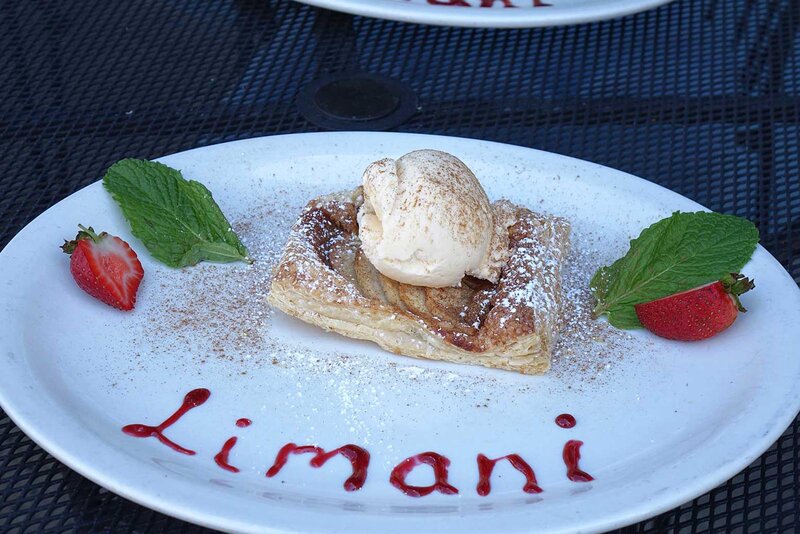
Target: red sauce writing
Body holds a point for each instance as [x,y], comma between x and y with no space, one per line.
[193,399]
[439,464]
[565,420]
[486,466]
[222,456]
[572,457]
[359,459]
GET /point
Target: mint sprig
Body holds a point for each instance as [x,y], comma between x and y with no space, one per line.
[681,252]
[177,219]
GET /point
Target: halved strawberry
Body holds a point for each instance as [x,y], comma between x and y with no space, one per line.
[105,266]
[697,313]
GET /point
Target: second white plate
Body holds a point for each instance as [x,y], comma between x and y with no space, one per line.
[491,13]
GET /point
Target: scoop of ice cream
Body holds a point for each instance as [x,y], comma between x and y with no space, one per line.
[426,221]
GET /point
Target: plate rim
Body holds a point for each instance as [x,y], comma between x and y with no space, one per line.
[485,18]
[183,509]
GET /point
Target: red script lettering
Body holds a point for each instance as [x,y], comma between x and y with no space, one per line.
[359,459]
[222,456]
[572,457]
[486,466]
[439,464]
[193,399]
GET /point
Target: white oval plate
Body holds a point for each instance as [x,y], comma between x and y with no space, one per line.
[662,423]
[502,14]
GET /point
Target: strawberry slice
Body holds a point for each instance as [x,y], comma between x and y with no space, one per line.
[697,313]
[105,266]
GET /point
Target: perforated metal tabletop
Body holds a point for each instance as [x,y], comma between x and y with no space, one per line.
[700,96]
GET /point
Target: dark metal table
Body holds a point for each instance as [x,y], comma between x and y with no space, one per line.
[700,96]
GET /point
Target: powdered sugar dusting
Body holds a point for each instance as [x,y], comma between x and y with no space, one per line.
[587,349]
[528,297]
[216,310]
[219,312]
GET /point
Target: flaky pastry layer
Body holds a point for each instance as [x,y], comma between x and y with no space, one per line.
[324,279]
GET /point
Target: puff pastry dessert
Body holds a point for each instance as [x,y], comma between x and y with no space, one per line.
[324,278]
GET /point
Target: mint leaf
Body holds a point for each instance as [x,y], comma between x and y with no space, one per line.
[177,219]
[681,252]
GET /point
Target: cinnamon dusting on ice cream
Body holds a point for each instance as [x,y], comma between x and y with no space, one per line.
[426,221]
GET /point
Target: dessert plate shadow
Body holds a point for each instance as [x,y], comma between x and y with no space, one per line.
[661,422]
